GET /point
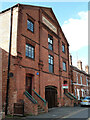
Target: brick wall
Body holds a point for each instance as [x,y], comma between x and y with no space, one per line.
[29,107]
[67,101]
[41,103]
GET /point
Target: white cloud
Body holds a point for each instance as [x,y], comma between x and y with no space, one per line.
[76,31]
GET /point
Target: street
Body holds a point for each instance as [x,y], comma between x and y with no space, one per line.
[82,114]
[59,113]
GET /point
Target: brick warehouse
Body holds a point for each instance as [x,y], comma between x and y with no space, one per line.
[39,61]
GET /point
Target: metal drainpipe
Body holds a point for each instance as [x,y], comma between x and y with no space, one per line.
[59,63]
[9,63]
[39,46]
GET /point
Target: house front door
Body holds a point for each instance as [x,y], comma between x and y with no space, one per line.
[29,84]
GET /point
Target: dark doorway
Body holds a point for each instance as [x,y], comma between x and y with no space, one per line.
[29,84]
[51,96]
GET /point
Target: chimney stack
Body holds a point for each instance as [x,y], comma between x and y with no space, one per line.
[79,64]
[87,69]
[70,59]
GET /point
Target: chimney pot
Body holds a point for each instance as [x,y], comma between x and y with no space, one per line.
[70,59]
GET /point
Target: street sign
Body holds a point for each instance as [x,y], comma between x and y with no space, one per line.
[65,86]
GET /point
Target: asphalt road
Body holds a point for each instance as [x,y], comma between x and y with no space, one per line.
[59,113]
[70,113]
[81,114]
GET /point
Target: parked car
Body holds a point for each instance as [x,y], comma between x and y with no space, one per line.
[85,101]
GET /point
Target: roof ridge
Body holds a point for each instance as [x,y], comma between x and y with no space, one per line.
[18,4]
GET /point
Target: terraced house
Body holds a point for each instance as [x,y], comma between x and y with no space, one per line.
[35,60]
[79,79]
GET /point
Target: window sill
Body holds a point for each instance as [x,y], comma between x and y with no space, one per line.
[30,31]
[50,50]
[63,52]
[30,58]
[65,70]
[51,73]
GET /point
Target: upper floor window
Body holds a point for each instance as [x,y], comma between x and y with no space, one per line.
[50,42]
[29,51]
[63,47]
[86,81]
[64,66]
[77,77]
[30,25]
[51,64]
[81,79]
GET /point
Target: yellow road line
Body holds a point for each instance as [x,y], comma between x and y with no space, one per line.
[74,113]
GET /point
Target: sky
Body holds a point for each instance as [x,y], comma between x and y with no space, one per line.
[73,18]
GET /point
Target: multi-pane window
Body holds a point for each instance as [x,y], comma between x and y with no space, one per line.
[63,48]
[64,66]
[29,51]
[50,42]
[30,25]
[50,61]
[81,79]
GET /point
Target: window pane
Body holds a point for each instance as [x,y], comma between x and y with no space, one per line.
[30,25]
[77,78]
[50,42]
[81,79]
[26,53]
[49,68]
[50,60]
[32,53]
[29,51]
[26,50]
[63,48]
[64,66]
[50,46]
[52,68]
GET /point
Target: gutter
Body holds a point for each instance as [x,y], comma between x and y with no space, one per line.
[8,77]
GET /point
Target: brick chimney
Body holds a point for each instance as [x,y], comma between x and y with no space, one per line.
[70,59]
[79,64]
[87,69]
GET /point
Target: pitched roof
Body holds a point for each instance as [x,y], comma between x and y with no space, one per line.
[48,8]
[81,71]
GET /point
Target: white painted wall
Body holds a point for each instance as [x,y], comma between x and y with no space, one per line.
[5,31]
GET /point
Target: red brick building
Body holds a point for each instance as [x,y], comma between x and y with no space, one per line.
[39,61]
[79,80]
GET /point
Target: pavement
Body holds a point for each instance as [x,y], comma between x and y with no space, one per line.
[56,113]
